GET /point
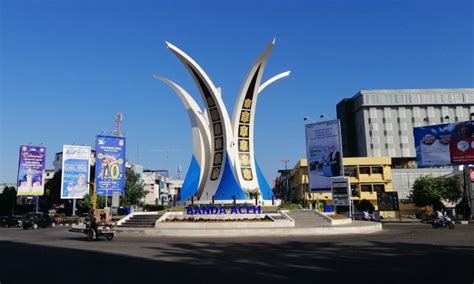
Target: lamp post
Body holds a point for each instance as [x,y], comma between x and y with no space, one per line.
[94,195]
[287,193]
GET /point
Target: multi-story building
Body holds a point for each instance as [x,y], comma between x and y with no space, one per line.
[403,179]
[156,185]
[58,160]
[381,122]
[367,175]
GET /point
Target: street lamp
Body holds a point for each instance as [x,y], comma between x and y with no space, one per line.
[94,195]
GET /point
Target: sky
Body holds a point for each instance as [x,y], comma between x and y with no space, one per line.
[67,67]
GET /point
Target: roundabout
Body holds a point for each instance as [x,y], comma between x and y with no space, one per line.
[271,224]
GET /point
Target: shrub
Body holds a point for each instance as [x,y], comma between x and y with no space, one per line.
[153,207]
[290,206]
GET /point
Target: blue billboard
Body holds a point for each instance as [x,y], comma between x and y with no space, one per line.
[110,165]
[444,144]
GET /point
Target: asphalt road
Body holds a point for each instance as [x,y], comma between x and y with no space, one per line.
[402,253]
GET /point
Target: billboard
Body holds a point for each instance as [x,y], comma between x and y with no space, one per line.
[75,171]
[324,153]
[110,165]
[444,144]
[388,201]
[30,179]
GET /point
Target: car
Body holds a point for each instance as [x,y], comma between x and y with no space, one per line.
[35,220]
[9,221]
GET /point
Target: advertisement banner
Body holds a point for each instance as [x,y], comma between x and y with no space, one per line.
[31,170]
[110,165]
[324,153]
[444,144]
[75,172]
[388,201]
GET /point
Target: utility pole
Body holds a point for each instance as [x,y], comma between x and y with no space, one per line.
[118,124]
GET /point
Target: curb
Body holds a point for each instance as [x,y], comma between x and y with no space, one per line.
[258,232]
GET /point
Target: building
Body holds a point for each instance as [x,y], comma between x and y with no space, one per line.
[403,179]
[156,184]
[58,160]
[368,175]
[381,122]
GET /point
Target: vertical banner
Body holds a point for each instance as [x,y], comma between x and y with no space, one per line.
[324,153]
[75,171]
[110,165]
[444,144]
[31,170]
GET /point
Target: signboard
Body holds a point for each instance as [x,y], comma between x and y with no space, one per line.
[388,201]
[341,191]
[324,153]
[110,165]
[75,171]
[222,210]
[30,180]
[444,144]
[116,199]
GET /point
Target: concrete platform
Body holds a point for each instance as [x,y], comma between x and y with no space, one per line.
[356,227]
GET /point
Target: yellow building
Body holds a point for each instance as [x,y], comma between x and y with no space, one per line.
[368,175]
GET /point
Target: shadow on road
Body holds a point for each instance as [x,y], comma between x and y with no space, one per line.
[209,262]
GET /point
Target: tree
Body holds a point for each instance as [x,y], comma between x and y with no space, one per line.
[85,205]
[430,191]
[52,189]
[134,190]
[134,193]
[7,200]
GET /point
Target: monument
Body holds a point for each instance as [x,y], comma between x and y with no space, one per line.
[223,166]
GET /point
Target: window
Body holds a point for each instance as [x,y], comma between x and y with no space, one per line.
[364,170]
[379,188]
[377,170]
[366,187]
[350,171]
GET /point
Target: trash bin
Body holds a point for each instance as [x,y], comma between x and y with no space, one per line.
[328,208]
[124,211]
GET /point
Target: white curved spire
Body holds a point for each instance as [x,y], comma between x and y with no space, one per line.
[222,148]
[243,122]
[273,79]
[200,130]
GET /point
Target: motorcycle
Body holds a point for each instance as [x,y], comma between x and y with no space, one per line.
[442,222]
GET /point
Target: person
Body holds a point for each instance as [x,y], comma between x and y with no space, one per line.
[105,167]
[336,163]
[366,215]
[80,189]
[464,130]
[442,216]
